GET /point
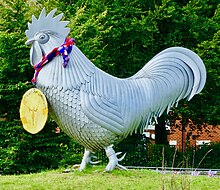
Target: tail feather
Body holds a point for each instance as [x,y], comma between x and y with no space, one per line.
[173,62]
[194,62]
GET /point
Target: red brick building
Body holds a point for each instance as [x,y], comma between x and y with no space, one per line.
[188,135]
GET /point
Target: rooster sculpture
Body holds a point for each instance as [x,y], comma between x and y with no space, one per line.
[94,108]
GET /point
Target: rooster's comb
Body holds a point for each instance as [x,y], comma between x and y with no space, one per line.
[47,22]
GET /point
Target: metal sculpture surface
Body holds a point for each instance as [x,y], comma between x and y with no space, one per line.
[94,108]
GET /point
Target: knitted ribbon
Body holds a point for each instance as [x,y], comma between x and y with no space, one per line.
[63,50]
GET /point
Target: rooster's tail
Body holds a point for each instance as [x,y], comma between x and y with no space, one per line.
[173,74]
[177,63]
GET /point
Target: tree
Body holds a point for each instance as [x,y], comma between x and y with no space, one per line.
[204,108]
[21,152]
[198,22]
[210,98]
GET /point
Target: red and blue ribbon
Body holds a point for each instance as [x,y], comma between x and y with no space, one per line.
[63,50]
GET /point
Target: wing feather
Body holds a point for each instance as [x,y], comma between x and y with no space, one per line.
[102,112]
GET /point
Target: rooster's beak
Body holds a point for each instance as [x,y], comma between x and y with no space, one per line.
[30,41]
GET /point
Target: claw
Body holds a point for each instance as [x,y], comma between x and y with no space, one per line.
[120,159]
[94,163]
[93,156]
[118,153]
[113,160]
[121,167]
[87,159]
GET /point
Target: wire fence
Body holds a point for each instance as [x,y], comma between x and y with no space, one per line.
[151,155]
[142,154]
[185,171]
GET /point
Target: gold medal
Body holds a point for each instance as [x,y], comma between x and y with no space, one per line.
[33,110]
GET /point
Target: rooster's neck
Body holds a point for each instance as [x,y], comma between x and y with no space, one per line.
[78,71]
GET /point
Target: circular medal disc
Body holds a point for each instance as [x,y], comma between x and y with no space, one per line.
[33,110]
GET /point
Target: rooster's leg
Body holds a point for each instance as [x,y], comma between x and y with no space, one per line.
[87,159]
[113,160]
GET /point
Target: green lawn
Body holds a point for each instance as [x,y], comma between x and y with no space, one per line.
[95,178]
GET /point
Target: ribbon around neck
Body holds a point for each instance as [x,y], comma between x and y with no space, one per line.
[64,50]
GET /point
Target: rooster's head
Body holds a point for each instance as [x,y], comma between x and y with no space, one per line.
[45,34]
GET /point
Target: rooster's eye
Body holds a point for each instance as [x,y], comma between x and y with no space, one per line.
[43,38]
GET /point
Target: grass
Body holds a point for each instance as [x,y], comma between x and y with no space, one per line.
[95,178]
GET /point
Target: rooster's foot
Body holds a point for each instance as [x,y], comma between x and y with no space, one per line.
[113,160]
[87,159]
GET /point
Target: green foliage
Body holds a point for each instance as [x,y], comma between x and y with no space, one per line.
[211,159]
[12,18]
[71,152]
[21,152]
[210,97]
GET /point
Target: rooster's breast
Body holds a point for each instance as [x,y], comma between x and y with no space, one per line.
[65,108]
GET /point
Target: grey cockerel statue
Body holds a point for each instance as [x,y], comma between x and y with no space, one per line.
[96,109]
